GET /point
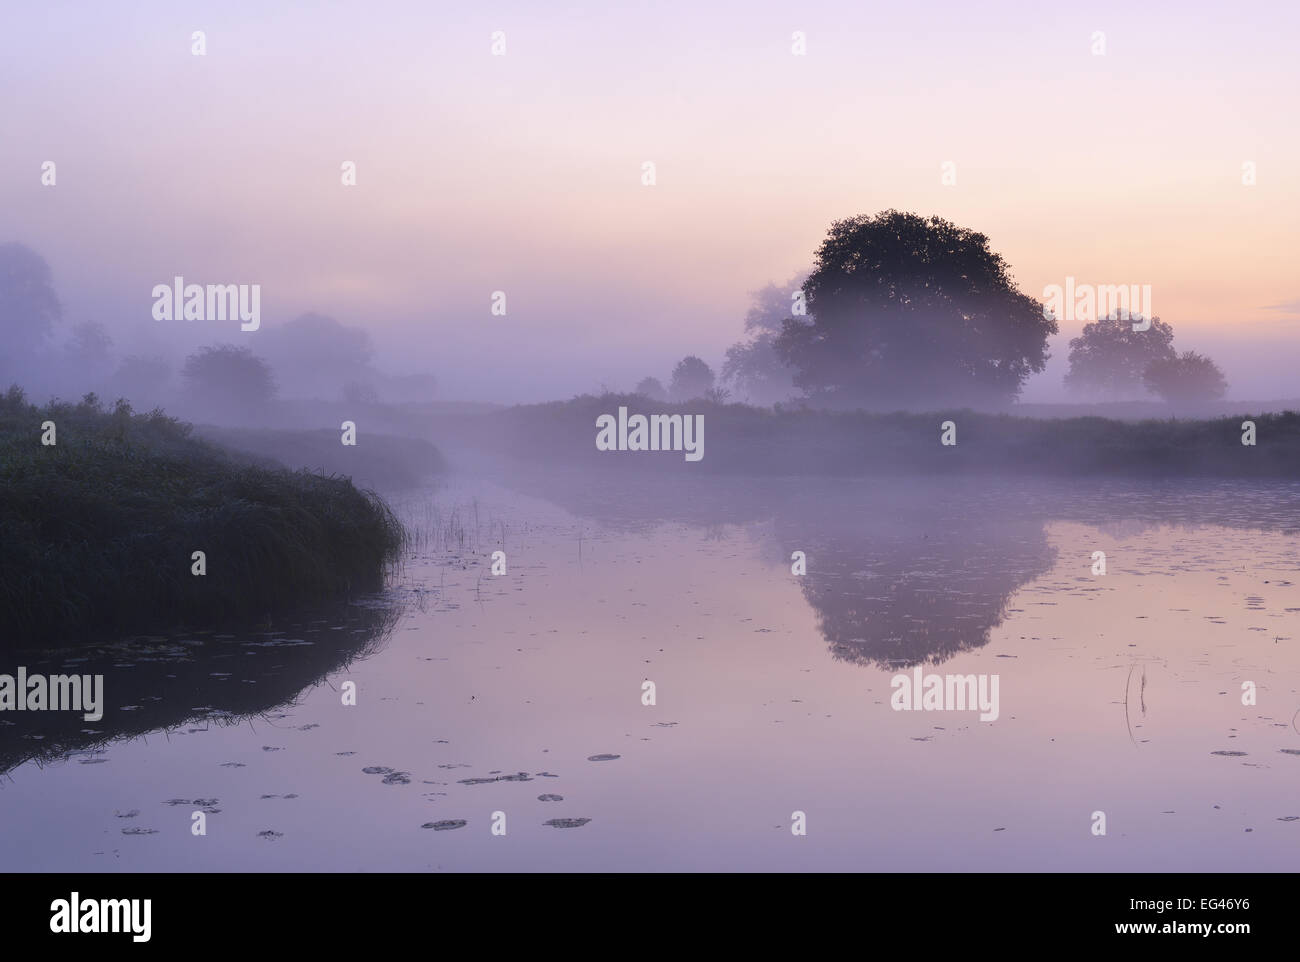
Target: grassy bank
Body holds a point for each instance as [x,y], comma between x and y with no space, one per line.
[741,439]
[97,531]
[380,461]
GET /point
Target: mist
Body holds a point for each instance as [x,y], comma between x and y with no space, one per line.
[471,178]
[706,436]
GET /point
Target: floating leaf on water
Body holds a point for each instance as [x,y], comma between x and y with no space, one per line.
[445,824]
[519,777]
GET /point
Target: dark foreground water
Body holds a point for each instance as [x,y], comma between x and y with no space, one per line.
[516,700]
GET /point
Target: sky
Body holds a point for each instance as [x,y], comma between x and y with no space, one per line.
[523,172]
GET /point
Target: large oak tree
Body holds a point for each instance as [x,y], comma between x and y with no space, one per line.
[907,310]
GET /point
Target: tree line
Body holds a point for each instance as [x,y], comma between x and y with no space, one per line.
[901,310]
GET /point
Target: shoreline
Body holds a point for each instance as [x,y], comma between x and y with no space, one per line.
[114,522]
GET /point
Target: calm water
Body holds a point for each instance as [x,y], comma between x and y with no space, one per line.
[522,693]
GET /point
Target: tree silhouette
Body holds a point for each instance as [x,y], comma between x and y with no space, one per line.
[317,356]
[1109,358]
[29,308]
[90,345]
[908,309]
[651,388]
[142,380]
[359,392]
[1186,377]
[752,366]
[757,371]
[692,379]
[228,378]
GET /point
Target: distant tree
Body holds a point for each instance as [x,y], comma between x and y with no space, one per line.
[651,388]
[29,308]
[13,401]
[1109,358]
[143,380]
[1186,377]
[756,371]
[315,355]
[359,392]
[691,379]
[752,365]
[90,345]
[904,309]
[772,305]
[228,377]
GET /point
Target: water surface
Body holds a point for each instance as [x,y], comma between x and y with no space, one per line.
[522,693]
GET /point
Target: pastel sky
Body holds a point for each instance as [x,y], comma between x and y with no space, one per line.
[522,172]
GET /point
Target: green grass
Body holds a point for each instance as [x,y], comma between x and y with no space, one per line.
[97,531]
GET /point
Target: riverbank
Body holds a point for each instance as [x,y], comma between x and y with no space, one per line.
[383,462]
[759,441]
[99,530]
